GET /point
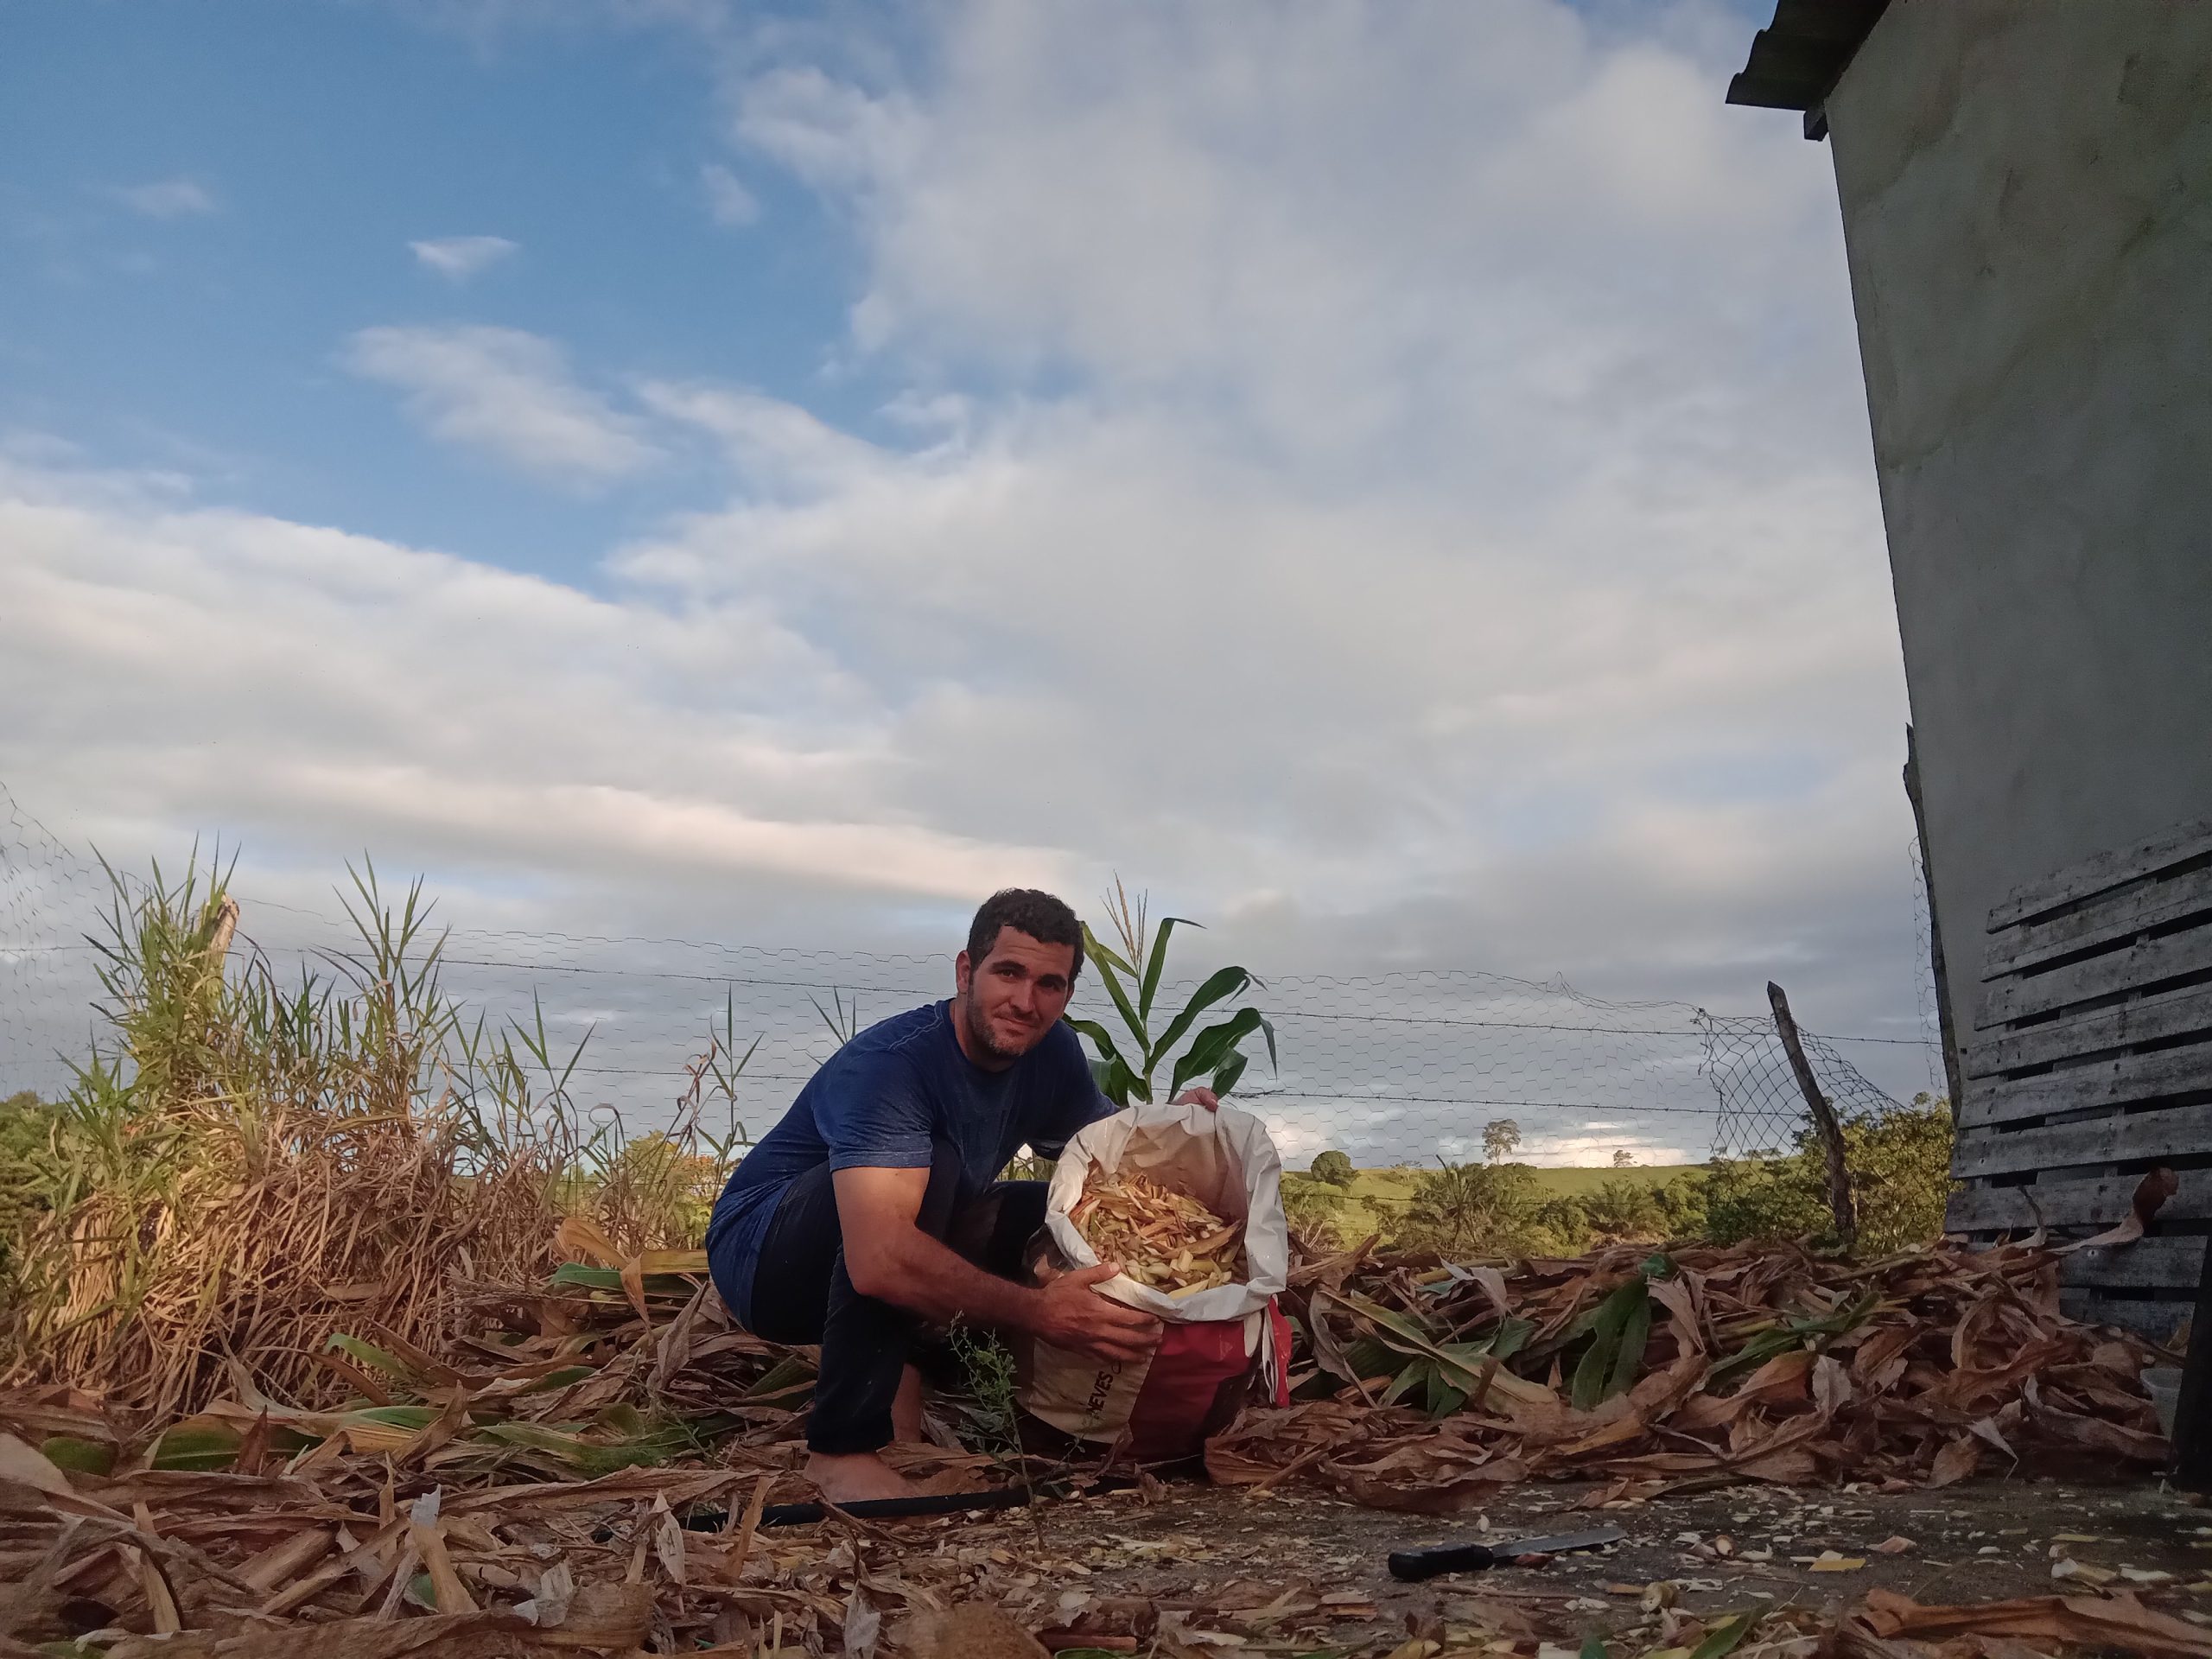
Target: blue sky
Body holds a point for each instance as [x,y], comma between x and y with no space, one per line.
[1391,478]
[204,329]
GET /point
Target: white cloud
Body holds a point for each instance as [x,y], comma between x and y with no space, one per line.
[779,448]
[1393,479]
[457,258]
[729,202]
[178,198]
[507,393]
[382,693]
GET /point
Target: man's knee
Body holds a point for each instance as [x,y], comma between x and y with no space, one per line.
[941,1198]
[992,1231]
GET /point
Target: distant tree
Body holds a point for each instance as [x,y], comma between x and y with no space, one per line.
[1625,1209]
[1465,1209]
[1624,1159]
[1501,1138]
[1334,1167]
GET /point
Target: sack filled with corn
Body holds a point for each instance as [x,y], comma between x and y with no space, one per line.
[1188,1203]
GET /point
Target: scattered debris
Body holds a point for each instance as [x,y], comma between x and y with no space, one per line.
[586,1466]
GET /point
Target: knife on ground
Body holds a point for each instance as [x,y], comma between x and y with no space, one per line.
[1416,1564]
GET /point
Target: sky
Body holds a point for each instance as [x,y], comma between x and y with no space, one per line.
[1391,479]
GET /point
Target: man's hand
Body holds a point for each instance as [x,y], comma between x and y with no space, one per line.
[1199,1096]
[1069,1313]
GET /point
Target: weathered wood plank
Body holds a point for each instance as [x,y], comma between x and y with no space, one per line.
[2147,1264]
[2152,1018]
[2137,965]
[2097,1204]
[2106,870]
[2174,1133]
[2103,922]
[2120,1081]
[2156,1320]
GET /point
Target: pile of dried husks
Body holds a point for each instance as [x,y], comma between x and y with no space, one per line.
[583,1468]
[1163,1239]
[1427,1386]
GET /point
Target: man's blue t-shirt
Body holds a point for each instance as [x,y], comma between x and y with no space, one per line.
[882,1101]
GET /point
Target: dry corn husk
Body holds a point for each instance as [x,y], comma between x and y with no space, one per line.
[1163,1239]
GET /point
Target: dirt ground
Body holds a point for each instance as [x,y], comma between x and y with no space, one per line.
[1198,1547]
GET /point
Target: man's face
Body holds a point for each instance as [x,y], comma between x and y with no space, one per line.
[1016,994]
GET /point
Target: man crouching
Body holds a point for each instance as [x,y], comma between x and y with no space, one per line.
[873,1206]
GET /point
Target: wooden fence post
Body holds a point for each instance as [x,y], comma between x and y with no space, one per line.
[2193,1407]
[1831,1132]
[1952,1080]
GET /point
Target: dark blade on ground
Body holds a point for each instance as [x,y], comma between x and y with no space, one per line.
[1417,1564]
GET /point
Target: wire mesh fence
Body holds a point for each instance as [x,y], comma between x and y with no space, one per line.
[1392,1069]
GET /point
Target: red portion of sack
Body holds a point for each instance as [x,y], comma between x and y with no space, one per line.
[1200,1374]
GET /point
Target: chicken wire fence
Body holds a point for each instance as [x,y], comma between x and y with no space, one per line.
[1391,1069]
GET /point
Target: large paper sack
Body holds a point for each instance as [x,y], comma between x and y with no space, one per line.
[1163,1408]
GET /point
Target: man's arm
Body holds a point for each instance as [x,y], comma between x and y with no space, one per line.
[888,1257]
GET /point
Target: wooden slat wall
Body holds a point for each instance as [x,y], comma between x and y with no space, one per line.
[2091,1062]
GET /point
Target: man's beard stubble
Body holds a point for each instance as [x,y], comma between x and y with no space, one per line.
[979,1032]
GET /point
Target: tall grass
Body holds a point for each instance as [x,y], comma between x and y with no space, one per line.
[246,1164]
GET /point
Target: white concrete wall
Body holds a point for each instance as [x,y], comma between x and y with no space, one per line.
[2027,198]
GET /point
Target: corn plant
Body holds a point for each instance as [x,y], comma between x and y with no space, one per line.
[1125,1066]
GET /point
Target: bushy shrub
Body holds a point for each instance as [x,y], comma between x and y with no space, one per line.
[1900,1166]
[1334,1167]
[1314,1210]
[1469,1210]
[28,1177]
[1625,1209]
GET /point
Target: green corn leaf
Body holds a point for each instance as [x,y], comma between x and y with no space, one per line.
[1127,1009]
[1219,987]
[1596,1376]
[1369,1357]
[1100,1037]
[1213,1046]
[79,1457]
[1792,1333]
[1095,949]
[1417,1373]
[1726,1636]
[553,1381]
[1588,1381]
[1401,1334]
[1124,1085]
[367,1353]
[1158,961]
[585,1277]
[1593,1647]
[1511,1336]
[1629,1361]
[1225,1079]
[411,1417]
[1443,1398]
[788,1374]
[1117,1080]
[197,1445]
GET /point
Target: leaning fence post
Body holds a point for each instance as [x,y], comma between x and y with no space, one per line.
[1831,1132]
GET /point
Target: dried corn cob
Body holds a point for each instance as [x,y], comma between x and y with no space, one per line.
[1163,1239]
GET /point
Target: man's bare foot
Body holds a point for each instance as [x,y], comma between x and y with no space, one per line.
[857,1478]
